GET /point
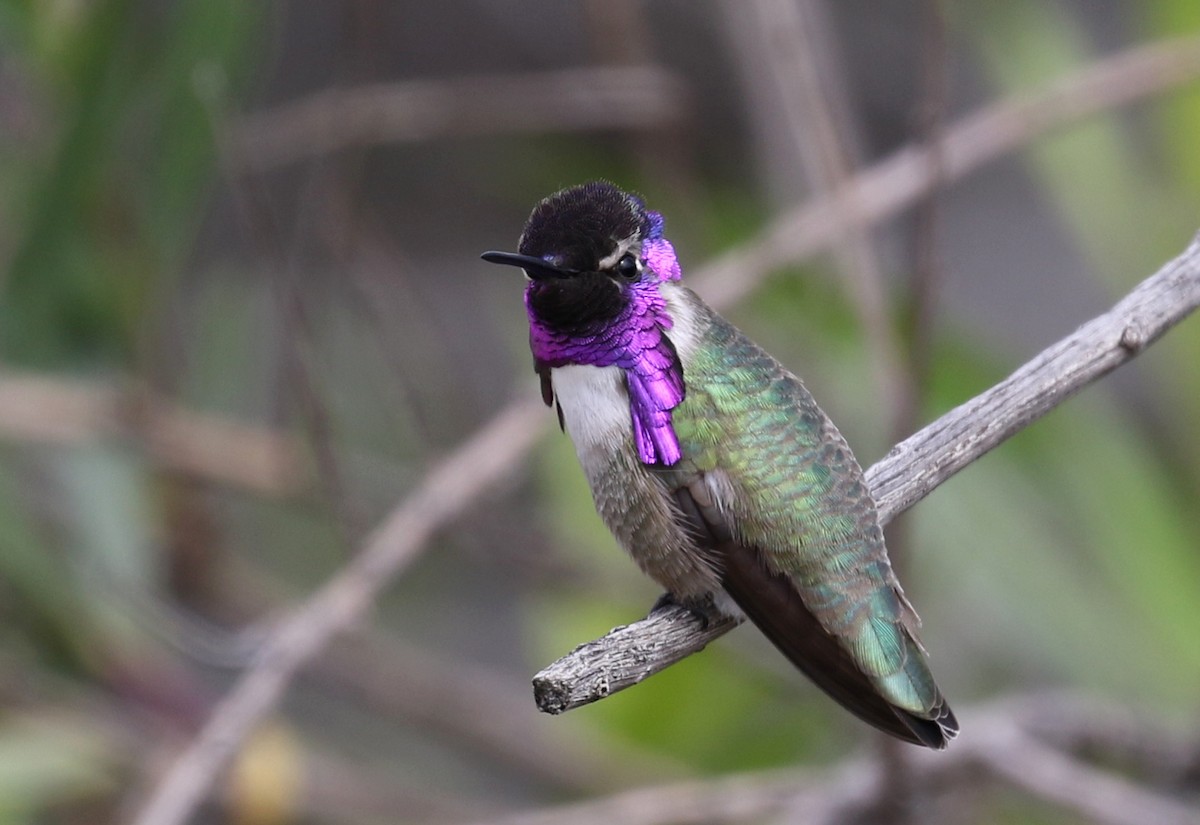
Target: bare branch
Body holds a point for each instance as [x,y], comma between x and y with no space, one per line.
[908,473]
[58,411]
[917,465]
[1048,774]
[898,181]
[624,657]
[999,742]
[614,97]
[480,463]
[719,799]
[1115,735]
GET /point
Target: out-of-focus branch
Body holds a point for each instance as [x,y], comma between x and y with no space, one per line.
[483,711]
[998,743]
[786,47]
[926,278]
[452,486]
[909,472]
[480,463]
[570,100]
[204,445]
[1050,775]
[893,184]
[715,799]
[1117,736]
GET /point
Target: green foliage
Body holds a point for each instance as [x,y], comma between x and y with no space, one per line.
[46,763]
[115,195]
[101,194]
[1179,113]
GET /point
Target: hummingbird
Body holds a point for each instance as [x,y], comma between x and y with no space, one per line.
[711,463]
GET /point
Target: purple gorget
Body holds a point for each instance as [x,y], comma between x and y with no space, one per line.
[637,343]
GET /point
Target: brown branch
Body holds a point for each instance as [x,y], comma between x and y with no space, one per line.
[58,411]
[483,461]
[999,742]
[909,472]
[895,183]
[790,50]
[607,98]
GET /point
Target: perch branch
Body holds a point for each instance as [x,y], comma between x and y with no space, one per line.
[908,473]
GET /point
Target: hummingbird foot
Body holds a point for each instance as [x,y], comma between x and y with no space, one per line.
[704,609]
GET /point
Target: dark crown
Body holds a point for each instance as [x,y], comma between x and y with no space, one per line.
[575,228]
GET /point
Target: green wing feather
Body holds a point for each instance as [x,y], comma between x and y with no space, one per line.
[803,517]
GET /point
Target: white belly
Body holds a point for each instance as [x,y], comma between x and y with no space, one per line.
[632,501]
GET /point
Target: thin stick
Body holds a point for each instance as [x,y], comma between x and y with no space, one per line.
[909,472]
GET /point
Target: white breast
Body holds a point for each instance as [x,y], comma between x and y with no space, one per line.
[595,406]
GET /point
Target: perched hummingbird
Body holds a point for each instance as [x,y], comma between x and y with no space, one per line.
[712,464]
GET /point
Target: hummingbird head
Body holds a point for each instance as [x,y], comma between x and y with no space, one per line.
[595,258]
[596,261]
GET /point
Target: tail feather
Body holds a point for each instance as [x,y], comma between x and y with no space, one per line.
[771,601]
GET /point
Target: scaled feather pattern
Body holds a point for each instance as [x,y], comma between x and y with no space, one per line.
[637,344]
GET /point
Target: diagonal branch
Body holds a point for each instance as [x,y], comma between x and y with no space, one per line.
[479,464]
[911,172]
[908,473]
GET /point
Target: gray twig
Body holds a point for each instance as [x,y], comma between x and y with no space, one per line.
[907,175]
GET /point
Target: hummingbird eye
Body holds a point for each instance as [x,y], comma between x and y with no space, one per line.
[628,267]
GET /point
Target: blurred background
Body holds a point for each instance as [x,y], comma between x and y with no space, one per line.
[242,315]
